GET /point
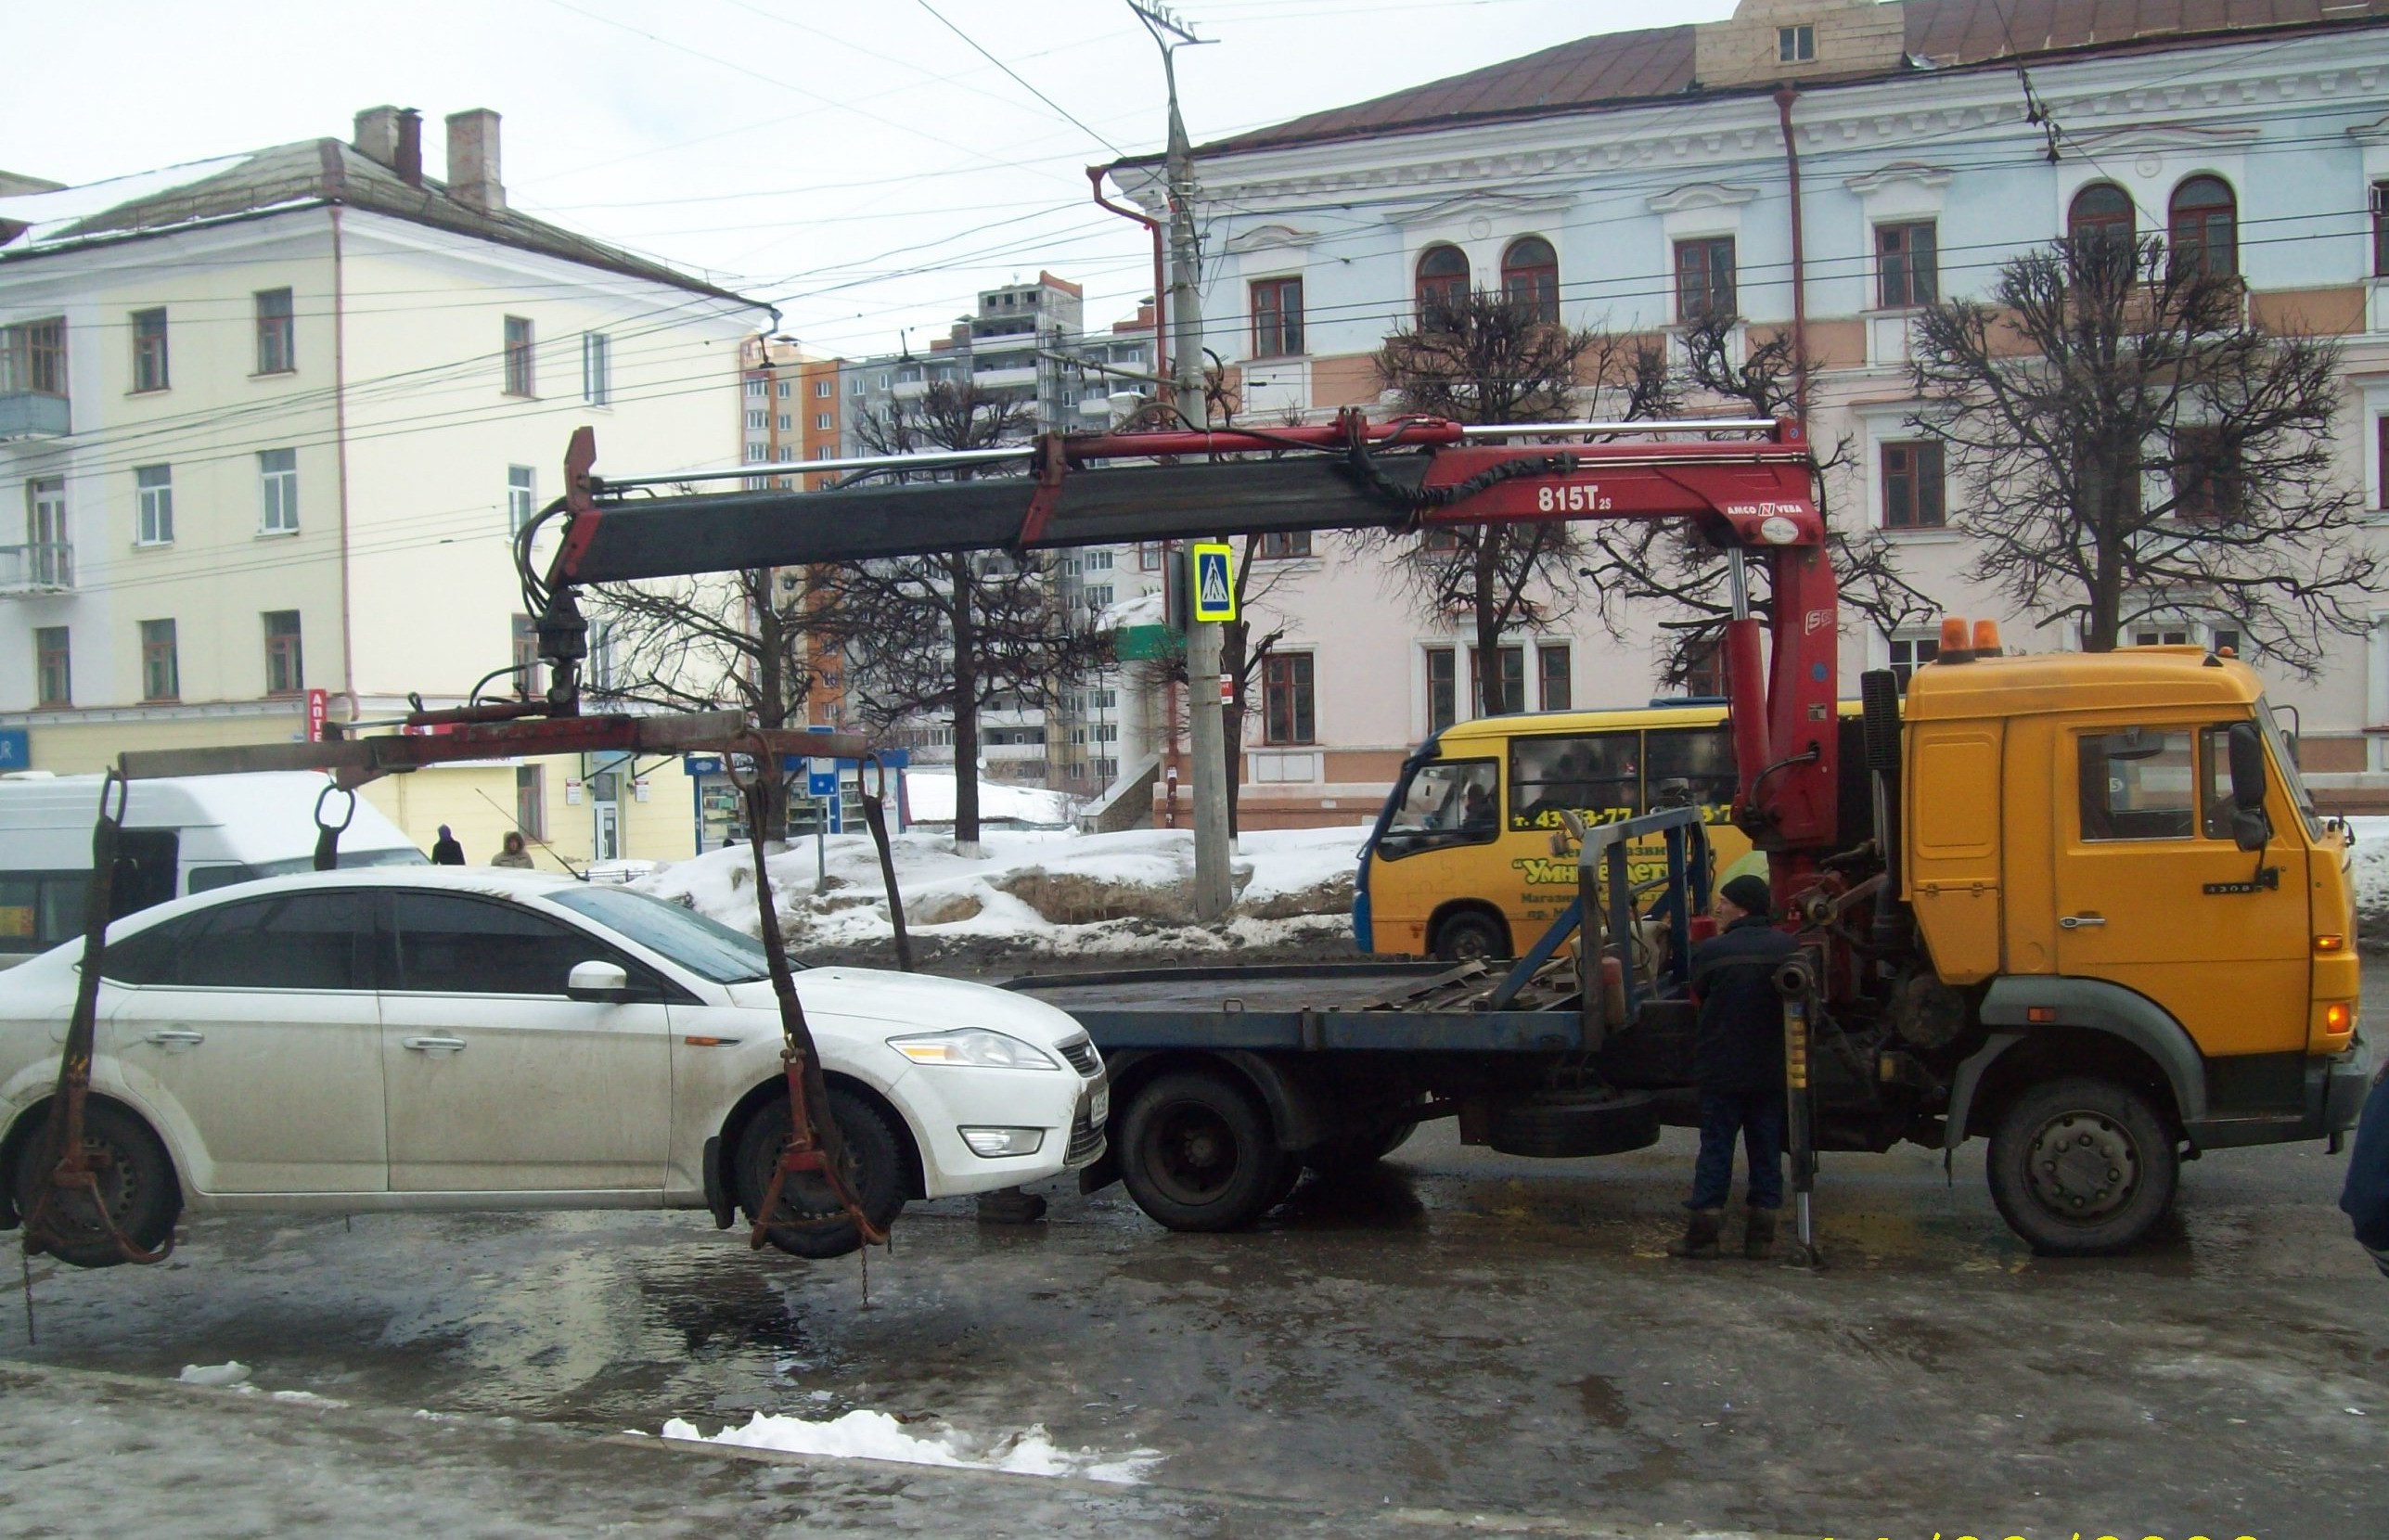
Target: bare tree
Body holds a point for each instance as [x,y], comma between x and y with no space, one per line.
[2136,447]
[1482,358]
[955,634]
[1673,565]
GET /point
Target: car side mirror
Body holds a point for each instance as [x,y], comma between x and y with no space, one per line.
[595,981]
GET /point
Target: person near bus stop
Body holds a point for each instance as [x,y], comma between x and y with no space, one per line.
[514,851]
[1738,1064]
[446,850]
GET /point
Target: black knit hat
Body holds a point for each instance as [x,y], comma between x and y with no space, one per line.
[1750,894]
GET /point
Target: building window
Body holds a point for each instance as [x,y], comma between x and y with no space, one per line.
[1099,597]
[1910,653]
[596,369]
[528,677]
[1440,539]
[154,494]
[49,556]
[519,379]
[33,358]
[2205,227]
[787,423]
[522,497]
[1795,44]
[823,422]
[1284,544]
[855,386]
[1099,560]
[531,801]
[161,670]
[278,492]
[284,672]
[2208,482]
[2381,229]
[53,668]
[2381,460]
[1913,493]
[2101,209]
[1530,278]
[1289,714]
[1443,282]
[758,453]
[827,452]
[1277,317]
[825,389]
[758,421]
[1555,676]
[757,387]
[149,371]
[278,350]
[1704,277]
[1442,689]
[1907,265]
[1510,687]
[781,390]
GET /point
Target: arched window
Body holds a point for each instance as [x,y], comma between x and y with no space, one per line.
[2206,226]
[2102,209]
[1442,281]
[1529,278]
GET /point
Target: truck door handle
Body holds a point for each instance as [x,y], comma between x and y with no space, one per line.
[2080,923]
[436,1044]
[177,1037]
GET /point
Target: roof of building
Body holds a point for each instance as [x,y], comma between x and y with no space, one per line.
[1621,69]
[312,173]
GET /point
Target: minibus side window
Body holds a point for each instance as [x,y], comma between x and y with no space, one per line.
[1702,758]
[1598,774]
[1445,803]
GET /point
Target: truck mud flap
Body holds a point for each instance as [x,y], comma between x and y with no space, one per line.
[1570,1125]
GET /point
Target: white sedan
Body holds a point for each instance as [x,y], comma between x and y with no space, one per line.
[427,1038]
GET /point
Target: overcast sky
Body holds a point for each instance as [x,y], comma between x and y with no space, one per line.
[857,162]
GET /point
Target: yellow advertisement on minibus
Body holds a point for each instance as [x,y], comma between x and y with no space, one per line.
[1462,863]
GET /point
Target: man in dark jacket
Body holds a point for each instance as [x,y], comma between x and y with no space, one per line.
[1737,1063]
[2365,1197]
[445,851]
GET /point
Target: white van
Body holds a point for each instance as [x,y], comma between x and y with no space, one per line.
[180,836]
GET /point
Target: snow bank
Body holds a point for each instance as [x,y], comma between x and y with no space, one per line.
[232,1373]
[2368,869]
[1062,890]
[877,1436]
[929,798]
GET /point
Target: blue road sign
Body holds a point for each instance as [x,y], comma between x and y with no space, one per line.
[1214,582]
[16,748]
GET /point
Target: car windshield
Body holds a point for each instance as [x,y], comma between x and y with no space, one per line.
[705,947]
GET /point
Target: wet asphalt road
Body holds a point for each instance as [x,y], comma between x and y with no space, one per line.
[1459,1333]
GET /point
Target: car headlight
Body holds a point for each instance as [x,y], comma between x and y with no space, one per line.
[973,1046]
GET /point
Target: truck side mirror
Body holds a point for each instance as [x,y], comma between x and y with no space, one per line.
[2252,830]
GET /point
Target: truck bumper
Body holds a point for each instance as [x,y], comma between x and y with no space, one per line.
[2335,1088]
[2345,1080]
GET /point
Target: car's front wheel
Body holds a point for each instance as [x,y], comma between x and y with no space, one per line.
[806,1222]
[137,1183]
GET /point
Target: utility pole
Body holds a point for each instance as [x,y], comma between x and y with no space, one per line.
[1214,890]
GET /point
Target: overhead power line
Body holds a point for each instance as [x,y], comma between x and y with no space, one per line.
[1024,85]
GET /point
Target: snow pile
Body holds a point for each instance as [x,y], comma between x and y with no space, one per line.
[929,798]
[2368,869]
[233,1373]
[1063,890]
[877,1436]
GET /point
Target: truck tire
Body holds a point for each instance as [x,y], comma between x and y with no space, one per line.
[1471,936]
[1197,1153]
[2082,1167]
[137,1181]
[876,1161]
[1362,1151]
[1568,1126]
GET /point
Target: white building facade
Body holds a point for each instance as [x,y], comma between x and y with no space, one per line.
[1620,179]
[273,422]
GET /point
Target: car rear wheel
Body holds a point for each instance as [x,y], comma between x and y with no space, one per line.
[2082,1167]
[137,1183]
[1471,936]
[1197,1154]
[875,1163]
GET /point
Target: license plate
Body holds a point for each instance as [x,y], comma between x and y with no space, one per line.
[1099,1106]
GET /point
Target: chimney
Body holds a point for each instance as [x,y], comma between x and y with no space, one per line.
[472,160]
[376,135]
[409,162]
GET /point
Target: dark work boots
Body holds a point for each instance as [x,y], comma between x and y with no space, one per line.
[1758,1235]
[1700,1240]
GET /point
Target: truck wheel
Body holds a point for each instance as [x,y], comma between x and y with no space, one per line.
[137,1181]
[1362,1151]
[1197,1154]
[877,1166]
[1564,1125]
[2082,1167]
[1471,936]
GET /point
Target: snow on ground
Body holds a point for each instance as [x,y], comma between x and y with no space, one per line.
[929,798]
[877,1436]
[1065,891]
[2369,867]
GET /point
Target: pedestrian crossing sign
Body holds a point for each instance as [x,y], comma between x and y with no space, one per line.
[1214,582]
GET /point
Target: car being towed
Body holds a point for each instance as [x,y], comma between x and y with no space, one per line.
[444,1039]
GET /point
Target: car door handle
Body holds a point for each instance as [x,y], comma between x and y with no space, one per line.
[182,1037]
[436,1044]
[2080,923]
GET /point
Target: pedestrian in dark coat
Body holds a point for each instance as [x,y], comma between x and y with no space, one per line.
[2365,1197]
[1738,1065]
[445,851]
